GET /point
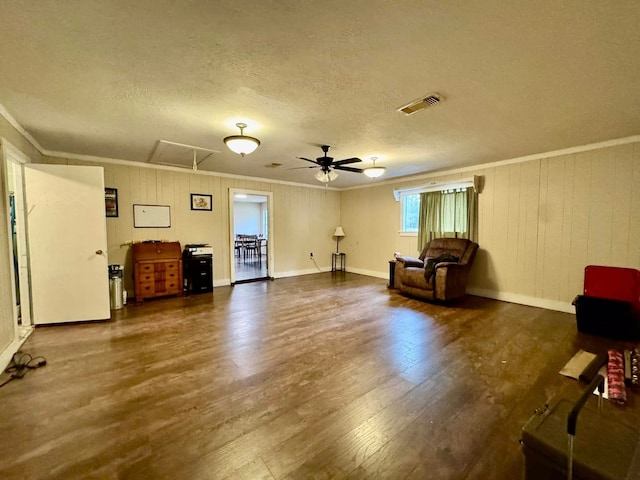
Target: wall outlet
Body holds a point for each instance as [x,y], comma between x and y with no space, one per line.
[311,255]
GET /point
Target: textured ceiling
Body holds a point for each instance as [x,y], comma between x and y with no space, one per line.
[111,78]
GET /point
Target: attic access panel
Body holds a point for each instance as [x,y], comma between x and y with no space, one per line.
[179,154]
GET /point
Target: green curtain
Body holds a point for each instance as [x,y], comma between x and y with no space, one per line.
[453,214]
[429,221]
[472,215]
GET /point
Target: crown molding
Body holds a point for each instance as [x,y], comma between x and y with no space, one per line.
[15,124]
[130,163]
[408,178]
[499,163]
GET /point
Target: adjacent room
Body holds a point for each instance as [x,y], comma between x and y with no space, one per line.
[311,240]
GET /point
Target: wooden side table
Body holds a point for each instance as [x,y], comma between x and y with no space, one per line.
[338,262]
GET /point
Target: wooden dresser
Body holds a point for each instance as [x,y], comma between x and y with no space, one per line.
[157,268]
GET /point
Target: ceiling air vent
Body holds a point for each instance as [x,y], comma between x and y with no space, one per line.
[428,101]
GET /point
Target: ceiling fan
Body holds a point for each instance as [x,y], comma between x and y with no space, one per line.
[328,165]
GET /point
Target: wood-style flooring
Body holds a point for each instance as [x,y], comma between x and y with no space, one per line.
[319,376]
[250,268]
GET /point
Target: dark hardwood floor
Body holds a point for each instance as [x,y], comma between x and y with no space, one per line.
[319,376]
[250,268]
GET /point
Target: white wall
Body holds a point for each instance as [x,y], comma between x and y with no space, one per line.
[540,223]
[247,217]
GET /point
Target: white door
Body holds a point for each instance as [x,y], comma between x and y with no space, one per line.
[67,235]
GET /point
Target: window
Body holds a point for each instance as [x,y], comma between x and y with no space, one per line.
[410,212]
[446,213]
[265,222]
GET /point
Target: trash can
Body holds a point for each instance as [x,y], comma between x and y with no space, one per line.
[116,295]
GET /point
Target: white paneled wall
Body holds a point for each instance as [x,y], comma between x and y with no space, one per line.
[303,217]
[540,223]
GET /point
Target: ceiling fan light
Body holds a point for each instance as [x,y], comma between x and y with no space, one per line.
[326,177]
[321,176]
[241,144]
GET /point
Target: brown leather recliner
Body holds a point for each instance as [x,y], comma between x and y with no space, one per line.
[426,278]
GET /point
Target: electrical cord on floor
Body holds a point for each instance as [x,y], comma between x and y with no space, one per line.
[20,364]
[316,263]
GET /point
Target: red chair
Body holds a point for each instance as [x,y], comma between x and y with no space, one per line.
[610,305]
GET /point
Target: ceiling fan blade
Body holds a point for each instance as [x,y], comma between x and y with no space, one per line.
[347,160]
[309,160]
[298,168]
[347,169]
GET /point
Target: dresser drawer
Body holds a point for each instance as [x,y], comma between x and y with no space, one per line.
[145,267]
[145,277]
[172,266]
[146,289]
[173,286]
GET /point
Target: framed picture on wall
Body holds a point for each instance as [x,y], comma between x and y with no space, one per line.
[201,201]
[111,202]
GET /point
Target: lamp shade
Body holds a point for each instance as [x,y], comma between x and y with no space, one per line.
[339,232]
[241,144]
[326,177]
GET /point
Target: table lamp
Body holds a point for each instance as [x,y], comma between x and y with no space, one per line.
[338,233]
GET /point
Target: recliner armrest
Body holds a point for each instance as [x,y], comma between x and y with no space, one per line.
[451,264]
[410,261]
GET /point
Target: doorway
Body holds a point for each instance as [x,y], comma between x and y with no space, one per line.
[251,237]
[14,162]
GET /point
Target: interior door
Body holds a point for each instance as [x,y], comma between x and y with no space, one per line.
[67,235]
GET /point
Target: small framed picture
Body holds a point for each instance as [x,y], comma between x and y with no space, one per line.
[201,201]
[111,202]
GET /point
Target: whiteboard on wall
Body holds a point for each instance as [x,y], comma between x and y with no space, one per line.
[151,216]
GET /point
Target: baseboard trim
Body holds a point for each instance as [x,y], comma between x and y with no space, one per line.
[295,273]
[523,299]
[7,354]
[369,273]
[486,293]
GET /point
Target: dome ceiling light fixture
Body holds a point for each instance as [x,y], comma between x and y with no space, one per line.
[374,172]
[241,144]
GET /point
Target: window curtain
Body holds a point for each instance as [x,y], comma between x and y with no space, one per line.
[472,215]
[452,214]
[429,219]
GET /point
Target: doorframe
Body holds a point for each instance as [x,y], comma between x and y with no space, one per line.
[11,155]
[270,240]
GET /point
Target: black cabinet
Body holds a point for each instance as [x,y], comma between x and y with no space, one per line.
[198,271]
